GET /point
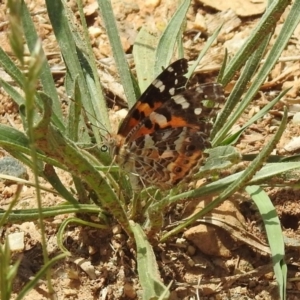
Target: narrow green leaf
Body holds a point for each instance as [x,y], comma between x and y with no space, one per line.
[203,52]
[75,60]
[117,49]
[52,177]
[167,41]
[98,100]
[17,144]
[147,267]
[144,57]
[16,29]
[11,69]
[233,138]
[24,215]
[46,75]
[74,114]
[78,221]
[274,235]
[224,123]
[266,25]
[12,92]
[8,272]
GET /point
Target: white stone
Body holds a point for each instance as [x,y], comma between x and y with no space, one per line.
[16,241]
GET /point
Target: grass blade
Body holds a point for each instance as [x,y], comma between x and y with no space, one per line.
[266,25]
[117,49]
[274,234]
[76,62]
[149,276]
[46,75]
[168,39]
[144,57]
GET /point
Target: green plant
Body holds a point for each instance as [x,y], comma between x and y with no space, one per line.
[54,141]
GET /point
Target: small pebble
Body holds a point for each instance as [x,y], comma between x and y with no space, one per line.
[191,250]
[200,23]
[116,229]
[296,118]
[129,291]
[16,241]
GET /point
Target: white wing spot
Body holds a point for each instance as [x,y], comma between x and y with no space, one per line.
[199,89]
[172,91]
[159,84]
[149,143]
[179,99]
[198,111]
[166,134]
[166,154]
[161,120]
[170,69]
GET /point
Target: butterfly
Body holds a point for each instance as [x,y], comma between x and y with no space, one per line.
[161,140]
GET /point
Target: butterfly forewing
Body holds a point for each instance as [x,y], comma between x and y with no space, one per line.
[167,84]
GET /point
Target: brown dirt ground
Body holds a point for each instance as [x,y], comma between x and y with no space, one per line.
[224,265]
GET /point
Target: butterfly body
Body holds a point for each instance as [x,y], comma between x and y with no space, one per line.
[162,139]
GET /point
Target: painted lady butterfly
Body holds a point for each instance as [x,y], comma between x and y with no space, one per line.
[161,140]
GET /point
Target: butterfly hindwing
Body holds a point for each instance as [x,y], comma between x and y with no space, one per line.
[168,145]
